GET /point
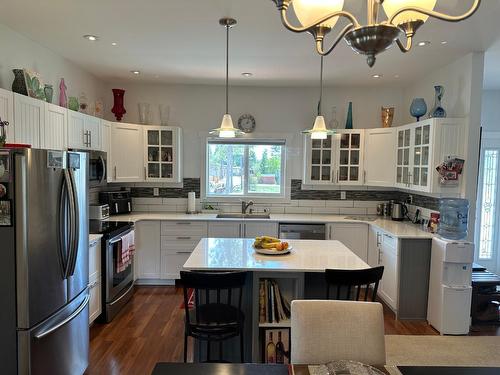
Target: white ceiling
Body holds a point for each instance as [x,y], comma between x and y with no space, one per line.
[180,41]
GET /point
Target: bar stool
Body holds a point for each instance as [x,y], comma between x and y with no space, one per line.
[342,281]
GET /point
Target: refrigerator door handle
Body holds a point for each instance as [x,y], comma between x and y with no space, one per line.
[104,171]
[75,223]
[65,321]
[64,229]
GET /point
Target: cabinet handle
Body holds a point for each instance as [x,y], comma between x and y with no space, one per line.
[183,252]
[389,236]
[183,223]
[115,172]
[145,173]
[378,239]
[330,233]
[90,139]
[183,238]
[379,256]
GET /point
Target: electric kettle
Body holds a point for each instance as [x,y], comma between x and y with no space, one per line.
[399,211]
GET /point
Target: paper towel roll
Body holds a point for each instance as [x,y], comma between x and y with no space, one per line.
[191,202]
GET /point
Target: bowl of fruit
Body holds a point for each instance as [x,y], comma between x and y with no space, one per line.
[268,245]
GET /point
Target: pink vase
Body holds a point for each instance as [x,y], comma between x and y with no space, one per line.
[63,99]
[118,108]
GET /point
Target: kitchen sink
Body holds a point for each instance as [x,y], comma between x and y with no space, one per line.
[361,218]
[243,216]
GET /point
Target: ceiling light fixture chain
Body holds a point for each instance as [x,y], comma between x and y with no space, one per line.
[372,38]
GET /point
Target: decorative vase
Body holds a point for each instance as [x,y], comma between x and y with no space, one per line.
[144,113]
[118,108]
[438,110]
[73,103]
[387,116]
[348,122]
[63,99]
[334,123]
[84,103]
[49,92]
[19,83]
[418,108]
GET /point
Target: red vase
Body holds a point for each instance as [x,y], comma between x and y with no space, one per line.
[118,108]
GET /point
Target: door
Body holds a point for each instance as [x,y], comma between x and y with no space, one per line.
[127,153]
[389,259]
[148,249]
[318,160]
[261,228]
[106,146]
[350,158]
[7,112]
[93,129]
[77,136]
[41,252]
[379,157]
[59,346]
[420,157]
[403,157]
[488,207]
[229,229]
[30,118]
[373,247]
[53,132]
[354,236]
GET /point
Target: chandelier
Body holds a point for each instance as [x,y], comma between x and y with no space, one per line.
[404,18]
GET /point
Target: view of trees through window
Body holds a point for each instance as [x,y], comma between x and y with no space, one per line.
[244,169]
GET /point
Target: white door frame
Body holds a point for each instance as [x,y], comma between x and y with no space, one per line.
[489,140]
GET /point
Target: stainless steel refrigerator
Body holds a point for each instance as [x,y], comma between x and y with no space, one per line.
[44,262]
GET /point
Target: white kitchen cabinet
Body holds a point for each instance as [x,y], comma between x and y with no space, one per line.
[388,288]
[95,282]
[29,115]
[148,250]
[83,131]
[352,235]
[7,112]
[373,247]
[336,160]
[259,228]
[127,160]
[238,229]
[163,153]
[225,229]
[53,130]
[421,147]
[379,156]
[106,147]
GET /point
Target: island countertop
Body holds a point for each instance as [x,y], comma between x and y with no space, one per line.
[238,254]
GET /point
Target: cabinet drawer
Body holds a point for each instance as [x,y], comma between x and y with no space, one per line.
[174,246]
[389,240]
[172,265]
[184,228]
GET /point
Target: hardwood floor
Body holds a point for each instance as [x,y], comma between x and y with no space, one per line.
[150,329]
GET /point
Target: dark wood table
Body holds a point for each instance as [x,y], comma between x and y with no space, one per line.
[425,370]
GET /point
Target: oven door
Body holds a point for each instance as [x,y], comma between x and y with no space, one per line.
[116,280]
[97,169]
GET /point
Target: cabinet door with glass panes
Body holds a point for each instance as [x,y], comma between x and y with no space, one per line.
[319,153]
[403,157]
[162,153]
[349,157]
[421,149]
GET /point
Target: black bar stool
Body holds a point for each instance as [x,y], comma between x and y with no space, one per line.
[217,314]
[342,281]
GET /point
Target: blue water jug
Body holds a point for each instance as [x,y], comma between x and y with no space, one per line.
[454,218]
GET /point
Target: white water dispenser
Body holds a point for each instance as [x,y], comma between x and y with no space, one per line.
[450,290]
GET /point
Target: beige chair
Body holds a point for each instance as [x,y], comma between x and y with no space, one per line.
[324,331]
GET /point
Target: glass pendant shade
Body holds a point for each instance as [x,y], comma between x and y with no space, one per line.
[319,130]
[227,129]
[392,6]
[309,11]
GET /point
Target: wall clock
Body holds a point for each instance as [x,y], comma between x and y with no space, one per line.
[246,123]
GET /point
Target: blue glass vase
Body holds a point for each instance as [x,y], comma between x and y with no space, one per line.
[348,122]
[418,108]
[438,110]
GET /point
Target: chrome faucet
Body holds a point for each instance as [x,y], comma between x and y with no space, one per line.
[245,205]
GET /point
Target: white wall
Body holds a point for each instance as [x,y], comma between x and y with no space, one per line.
[490,110]
[17,51]
[279,111]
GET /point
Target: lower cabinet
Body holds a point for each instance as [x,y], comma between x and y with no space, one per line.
[95,283]
[353,235]
[238,229]
[389,259]
[147,235]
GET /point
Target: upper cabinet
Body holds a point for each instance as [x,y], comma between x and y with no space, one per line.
[29,117]
[84,131]
[379,155]
[127,153]
[421,147]
[53,131]
[7,112]
[338,159]
[162,153]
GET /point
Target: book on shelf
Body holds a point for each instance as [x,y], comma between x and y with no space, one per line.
[273,306]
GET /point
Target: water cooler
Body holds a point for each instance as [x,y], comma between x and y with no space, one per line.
[450,290]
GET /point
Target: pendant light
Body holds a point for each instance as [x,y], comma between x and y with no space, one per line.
[227,129]
[319,130]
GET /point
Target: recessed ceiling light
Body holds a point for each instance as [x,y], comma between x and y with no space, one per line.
[92,38]
[247,74]
[114,44]
[423,43]
[443,42]
[136,72]
[377,76]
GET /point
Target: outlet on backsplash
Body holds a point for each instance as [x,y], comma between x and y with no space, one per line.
[343,195]
[156,192]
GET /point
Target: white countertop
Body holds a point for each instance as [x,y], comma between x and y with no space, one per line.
[403,230]
[238,254]
[94,237]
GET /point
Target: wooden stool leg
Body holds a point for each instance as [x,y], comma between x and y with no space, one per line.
[185,347]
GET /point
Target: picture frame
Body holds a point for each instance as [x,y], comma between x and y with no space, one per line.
[280,339]
[5,213]
[4,166]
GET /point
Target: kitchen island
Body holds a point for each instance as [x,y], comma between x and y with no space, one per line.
[300,274]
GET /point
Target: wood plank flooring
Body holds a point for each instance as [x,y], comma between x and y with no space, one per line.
[150,329]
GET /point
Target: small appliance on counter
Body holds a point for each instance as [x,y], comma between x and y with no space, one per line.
[450,291]
[119,202]
[399,211]
[99,212]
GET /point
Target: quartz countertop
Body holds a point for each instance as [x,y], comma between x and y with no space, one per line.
[399,229]
[238,254]
[94,237]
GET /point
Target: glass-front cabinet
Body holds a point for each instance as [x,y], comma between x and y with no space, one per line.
[162,154]
[338,159]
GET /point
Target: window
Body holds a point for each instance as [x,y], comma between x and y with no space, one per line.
[245,168]
[488,204]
